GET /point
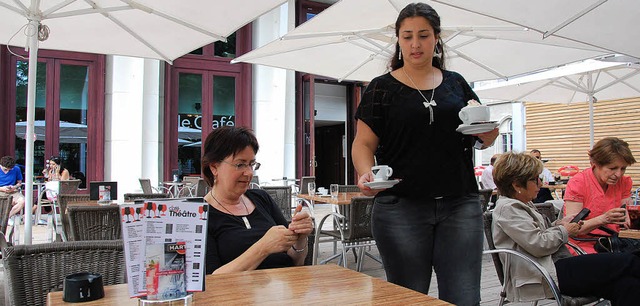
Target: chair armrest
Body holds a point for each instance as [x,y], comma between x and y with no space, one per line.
[576,248]
[545,274]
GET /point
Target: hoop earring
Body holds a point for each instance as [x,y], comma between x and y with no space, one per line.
[436,50]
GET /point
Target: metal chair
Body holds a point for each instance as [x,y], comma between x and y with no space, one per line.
[355,235]
[195,187]
[304,184]
[282,196]
[561,300]
[32,271]
[148,189]
[485,198]
[94,223]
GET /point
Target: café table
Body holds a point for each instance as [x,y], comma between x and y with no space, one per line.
[558,189]
[343,198]
[304,285]
[174,188]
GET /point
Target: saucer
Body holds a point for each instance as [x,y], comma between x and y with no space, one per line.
[381,184]
[469,129]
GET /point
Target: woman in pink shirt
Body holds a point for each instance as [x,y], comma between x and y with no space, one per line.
[603,189]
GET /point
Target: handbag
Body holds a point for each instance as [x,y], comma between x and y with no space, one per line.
[615,244]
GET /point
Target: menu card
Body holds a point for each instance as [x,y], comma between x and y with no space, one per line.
[158,222]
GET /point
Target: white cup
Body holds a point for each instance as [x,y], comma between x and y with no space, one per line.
[381,172]
[323,191]
[474,113]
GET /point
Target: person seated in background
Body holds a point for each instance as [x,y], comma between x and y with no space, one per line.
[517,225]
[246,229]
[10,182]
[544,194]
[57,172]
[487,178]
[603,188]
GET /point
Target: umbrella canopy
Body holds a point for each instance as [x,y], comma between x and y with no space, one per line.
[159,29]
[69,132]
[599,23]
[189,133]
[354,39]
[583,82]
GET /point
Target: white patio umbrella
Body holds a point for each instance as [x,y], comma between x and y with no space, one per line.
[354,39]
[159,29]
[69,132]
[601,23]
[583,82]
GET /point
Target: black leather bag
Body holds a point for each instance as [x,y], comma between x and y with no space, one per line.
[615,244]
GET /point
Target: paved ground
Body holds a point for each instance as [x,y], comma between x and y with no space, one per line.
[490,284]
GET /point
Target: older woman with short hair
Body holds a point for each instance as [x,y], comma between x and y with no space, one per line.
[603,189]
[246,229]
[519,226]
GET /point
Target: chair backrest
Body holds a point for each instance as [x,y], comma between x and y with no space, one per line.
[94,223]
[359,219]
[131,197]
[146,186]
[64,200]
[304,183]
[5,209]
[487,218]
[282,196]
[348,188]
[32,271]
[69,187]
[485,197]
[547,210]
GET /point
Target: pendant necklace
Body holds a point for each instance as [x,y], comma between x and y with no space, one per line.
[427,103]
[243,218]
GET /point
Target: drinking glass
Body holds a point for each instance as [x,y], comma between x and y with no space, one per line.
[334,190]
[311,188]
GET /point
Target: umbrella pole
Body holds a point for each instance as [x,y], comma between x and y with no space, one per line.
[31,114]
[591,127]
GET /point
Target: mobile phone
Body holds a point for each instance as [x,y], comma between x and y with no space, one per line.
[581,215]
[624,213]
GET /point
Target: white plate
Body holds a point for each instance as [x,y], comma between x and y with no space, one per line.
[476,128]
[381,184]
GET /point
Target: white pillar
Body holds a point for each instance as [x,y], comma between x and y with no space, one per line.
[133,122]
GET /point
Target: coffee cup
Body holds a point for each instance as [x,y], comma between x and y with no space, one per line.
[323,191]
[474,113]
[381,172]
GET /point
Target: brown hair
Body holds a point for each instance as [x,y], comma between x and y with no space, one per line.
[607,150]
[223,142]
[8,162]
[515,168]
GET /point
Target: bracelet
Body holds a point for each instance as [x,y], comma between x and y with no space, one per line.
[301,250]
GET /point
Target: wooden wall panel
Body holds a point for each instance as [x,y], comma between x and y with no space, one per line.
[561,131]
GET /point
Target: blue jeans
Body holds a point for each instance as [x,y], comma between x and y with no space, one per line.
[416,235]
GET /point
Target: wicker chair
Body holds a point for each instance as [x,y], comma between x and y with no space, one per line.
[509,254]
[63,202]
[32,271]
[5,209]
[133,197]
[356,235]
[282,196]
[94,223]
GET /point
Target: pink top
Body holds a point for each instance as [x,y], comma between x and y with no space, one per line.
[584,188]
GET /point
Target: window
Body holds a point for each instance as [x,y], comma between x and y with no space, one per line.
[506,135]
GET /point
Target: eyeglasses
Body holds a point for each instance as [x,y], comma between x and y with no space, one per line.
[242,167]
[537,180]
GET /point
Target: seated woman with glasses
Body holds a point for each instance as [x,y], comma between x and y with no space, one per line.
[246,229]
[517,225]
[603,189]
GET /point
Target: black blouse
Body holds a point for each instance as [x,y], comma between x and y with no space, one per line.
[432,160]
[228,237]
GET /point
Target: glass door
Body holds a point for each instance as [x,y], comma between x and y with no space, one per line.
[306,128]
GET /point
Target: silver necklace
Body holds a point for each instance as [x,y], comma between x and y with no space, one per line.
[427,103]
[243,218]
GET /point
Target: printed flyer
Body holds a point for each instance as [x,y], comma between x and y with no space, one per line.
[157,222]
